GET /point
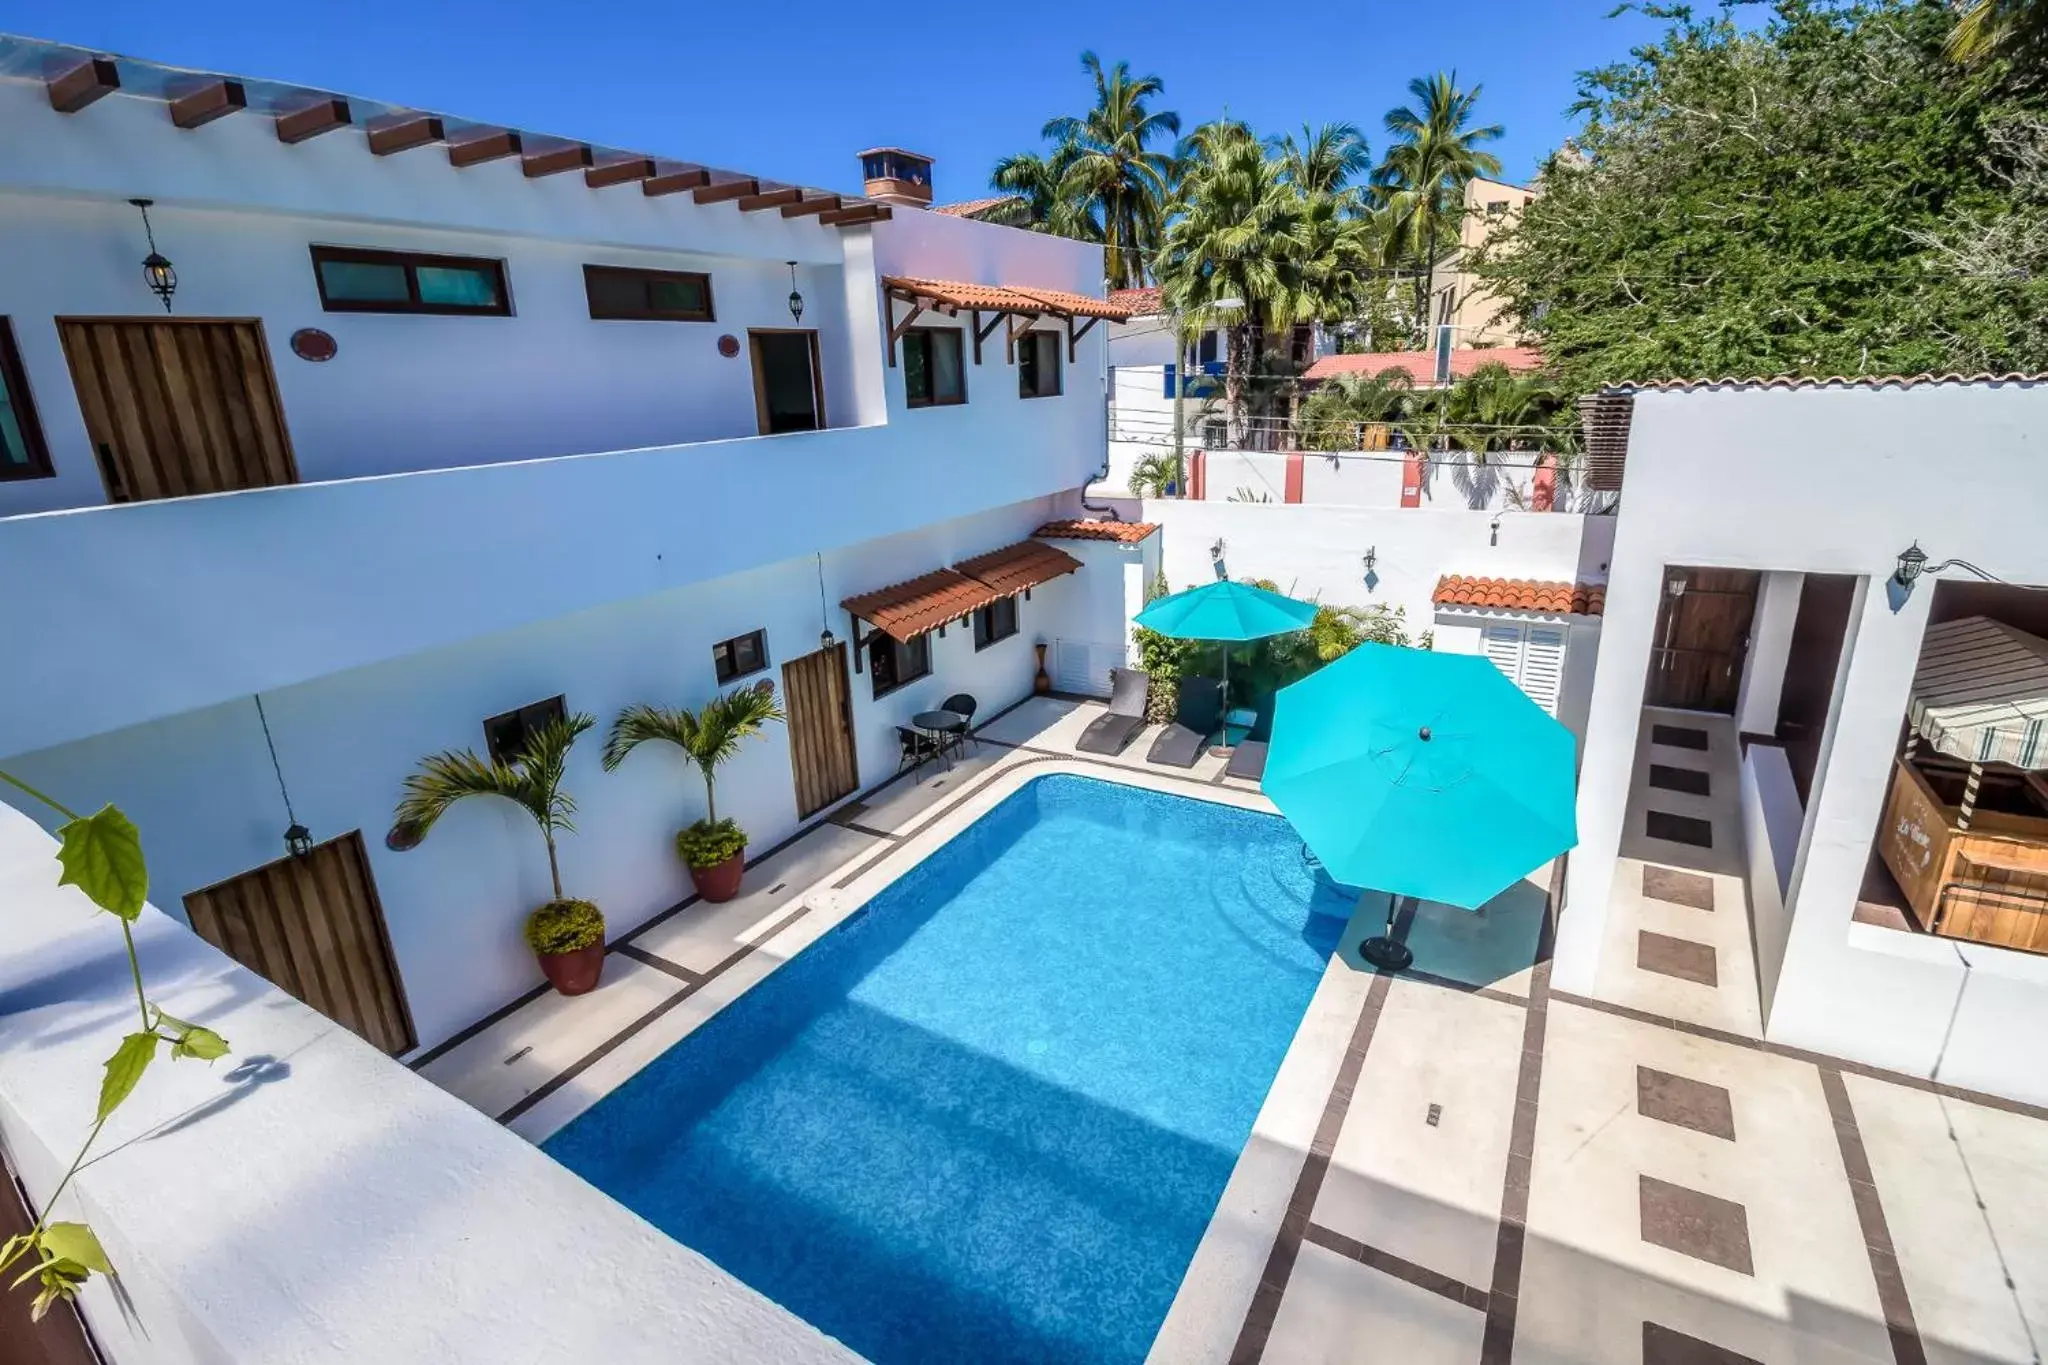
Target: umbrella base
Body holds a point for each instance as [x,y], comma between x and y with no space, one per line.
[1386,954]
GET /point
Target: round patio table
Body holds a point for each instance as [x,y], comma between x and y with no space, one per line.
[942,726]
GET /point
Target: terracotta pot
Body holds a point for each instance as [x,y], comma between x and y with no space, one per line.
[720,881]
[1042,683]
[574,973]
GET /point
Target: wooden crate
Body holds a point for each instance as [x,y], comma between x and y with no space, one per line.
[1995,872]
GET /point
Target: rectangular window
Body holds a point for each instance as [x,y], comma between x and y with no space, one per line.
[741,655]
[1038,365]
[22,452]
[933,373]
[996,621]
[892,663]
[647,295]
[359,280]
[789,395]
[506,736]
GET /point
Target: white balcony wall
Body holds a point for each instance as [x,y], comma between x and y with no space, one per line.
[201,787]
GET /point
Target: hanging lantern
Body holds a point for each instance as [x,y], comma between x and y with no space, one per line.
[156,269]
[796,299]
[298,840]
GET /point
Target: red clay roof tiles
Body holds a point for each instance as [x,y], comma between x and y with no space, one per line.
[1521,594]
[1006,298]
[907,610]
[1421,365]
[1786,381]
[1014,568]
[1128,532]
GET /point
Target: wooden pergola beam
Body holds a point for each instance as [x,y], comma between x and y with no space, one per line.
[824,203]
[769,199]
[476,151]
[405,133]
[896,330]
[1075,334]
[675,182]
[313,120]
[856,215]
[216,99]
[720,191]
[84,84]
[1020,323]
[982,333]
[555,160]
[619,172]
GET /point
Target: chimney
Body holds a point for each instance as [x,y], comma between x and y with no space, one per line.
[895,176]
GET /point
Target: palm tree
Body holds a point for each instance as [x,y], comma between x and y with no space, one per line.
[1049,198]
[1494,409]
[709,736]
[1122,184]
[1326,160]
[2000,28]
[1152,475]
[1421,183]
[532,781]
[1335,415]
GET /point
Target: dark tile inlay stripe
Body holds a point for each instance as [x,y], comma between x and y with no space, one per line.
[1691,781]
[1386,1262]
[1679,737]
[1679,829]
[1497,1345]
[1679,957]
[1680,888]
[1294,1224]
[1877,1235]
[659,963]
[1703,1226]
[1668,1346]
[1685,1102]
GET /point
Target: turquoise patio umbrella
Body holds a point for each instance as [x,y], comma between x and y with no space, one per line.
[1421,774]
[1224,610]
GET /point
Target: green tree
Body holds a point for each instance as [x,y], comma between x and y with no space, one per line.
[708,736]
[1326,160]
[1048,196]
[1109,172]
[1421,183]
[2013,30]
[1335,416]
[1785,198]
[532,781]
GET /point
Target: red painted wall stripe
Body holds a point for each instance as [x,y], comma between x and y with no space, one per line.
[1293,493]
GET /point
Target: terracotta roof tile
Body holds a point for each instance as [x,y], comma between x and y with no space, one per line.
[1128,532]
[1014,568]
[1521,594]
[1421,365]
[974,208]
[1143,303]
[1006,298]
[1838,381]
[907,610]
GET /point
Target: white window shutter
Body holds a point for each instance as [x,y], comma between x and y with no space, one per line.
[1082,666]
[1543,666]
[1503,644]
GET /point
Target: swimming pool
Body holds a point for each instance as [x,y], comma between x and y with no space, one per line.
[988,1117]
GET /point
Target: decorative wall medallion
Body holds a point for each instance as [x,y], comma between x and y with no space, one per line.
[310,343]
[728,345]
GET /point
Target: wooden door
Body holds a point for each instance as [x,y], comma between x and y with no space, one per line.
[1702,638]
[312,926]
[821,753]
[176,406]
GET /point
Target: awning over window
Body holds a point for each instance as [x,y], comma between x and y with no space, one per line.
[1981,693]
[1014,568]
[1002,298]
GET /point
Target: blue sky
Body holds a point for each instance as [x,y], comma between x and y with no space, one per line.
[790,89]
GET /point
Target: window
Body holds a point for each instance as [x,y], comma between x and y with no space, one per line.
[22,452]
[996,621]
[1038,365]
[358,280]
[647,295]
[1496,207]
[933,375]
[506,736]
[1531,655]
[788,394]
[741,655]
[892,663]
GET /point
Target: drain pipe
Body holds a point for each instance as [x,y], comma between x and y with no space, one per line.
[1110,512]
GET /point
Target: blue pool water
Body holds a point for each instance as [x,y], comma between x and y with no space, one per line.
[988,1118]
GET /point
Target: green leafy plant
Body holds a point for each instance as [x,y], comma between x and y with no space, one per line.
[709,736]
[564,926]
[1164,659]
[101,855]
[708,843]
[532,781]
[1153,475]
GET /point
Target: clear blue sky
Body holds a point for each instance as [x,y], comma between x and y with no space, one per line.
[790,89]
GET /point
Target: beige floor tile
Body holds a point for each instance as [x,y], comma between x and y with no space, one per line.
[701,936]
[1338,1312]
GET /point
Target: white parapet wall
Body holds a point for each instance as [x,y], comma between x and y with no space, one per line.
[308,1201]
[1771,820]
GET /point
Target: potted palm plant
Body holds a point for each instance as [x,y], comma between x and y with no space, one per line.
[715,850]
[567,935]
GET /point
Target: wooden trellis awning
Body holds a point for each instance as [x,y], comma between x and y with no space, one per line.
[935,600]
[1018,568]
[1022,305]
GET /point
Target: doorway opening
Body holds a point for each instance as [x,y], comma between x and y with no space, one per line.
[789,391]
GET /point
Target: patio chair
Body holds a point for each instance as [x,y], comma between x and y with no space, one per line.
[962,704]
[1199,715]
[1248,759]
[1107,734]
[917,747]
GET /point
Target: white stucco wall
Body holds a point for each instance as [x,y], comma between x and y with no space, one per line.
[1770,648]
[1771,820]
[1852,477]
[307,1201]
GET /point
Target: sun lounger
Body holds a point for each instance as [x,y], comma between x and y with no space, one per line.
[1248,759]
[1107,734]
[1199,714]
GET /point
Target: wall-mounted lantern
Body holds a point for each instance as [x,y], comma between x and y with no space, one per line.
[1912,562]
[796,299]
[156,270]
[1372,554]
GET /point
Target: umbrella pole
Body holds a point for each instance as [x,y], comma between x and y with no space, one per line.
[1224,746]
[1384,951]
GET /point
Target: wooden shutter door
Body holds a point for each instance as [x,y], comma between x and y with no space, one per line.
[1702,639]
[313,927]
[1543,666]
[177,406]
[821,753]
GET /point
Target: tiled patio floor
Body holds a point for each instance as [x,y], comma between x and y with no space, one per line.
[1458,1165]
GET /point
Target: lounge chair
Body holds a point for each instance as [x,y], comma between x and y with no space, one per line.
[1199,715]
[1107,734]
[1248,759]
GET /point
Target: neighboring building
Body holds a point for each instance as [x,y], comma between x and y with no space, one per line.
[1461,300]
[444,428]
[1428,369]
[1769,794]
